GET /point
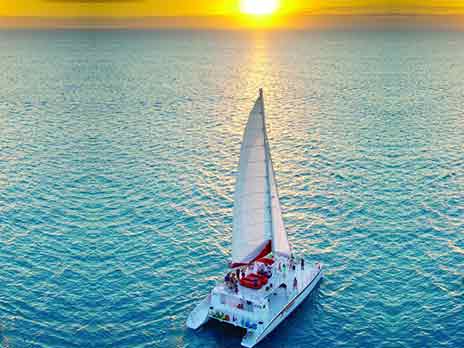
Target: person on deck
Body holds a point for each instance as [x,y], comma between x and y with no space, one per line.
[268,272]
[227,280]
[295,283]
[302,264]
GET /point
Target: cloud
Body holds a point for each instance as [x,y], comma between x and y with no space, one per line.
[391,7]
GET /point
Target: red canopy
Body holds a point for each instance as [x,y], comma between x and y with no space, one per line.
[266,261]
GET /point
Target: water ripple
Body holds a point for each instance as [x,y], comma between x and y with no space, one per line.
[117,165]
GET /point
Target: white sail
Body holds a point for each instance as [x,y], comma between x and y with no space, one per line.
[280,245]
[258,221]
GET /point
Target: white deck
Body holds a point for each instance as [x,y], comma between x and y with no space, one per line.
[282,306]
[265,309]
[303,276]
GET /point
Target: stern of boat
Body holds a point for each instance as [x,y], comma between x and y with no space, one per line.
[250,339]
[200,315]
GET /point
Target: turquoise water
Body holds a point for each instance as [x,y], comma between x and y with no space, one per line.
[118,153]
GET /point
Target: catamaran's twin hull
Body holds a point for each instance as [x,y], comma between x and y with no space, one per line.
[280,309]
[254,337]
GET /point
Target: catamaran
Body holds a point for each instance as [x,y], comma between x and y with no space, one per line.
[266,282]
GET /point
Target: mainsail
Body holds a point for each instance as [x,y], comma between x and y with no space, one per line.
[258,227]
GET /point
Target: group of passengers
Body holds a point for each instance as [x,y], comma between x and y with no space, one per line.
[232,278]
[290,265]
[264,270]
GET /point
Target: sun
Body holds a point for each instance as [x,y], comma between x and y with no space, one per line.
[259,7]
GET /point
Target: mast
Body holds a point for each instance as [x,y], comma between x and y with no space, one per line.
[268,160]
[280,243]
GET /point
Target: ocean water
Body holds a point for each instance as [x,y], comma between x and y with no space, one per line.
[118,152]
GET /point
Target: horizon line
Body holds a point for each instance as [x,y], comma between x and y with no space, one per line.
[234,22]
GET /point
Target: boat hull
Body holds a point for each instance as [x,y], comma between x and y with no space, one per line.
[199,315]
[254,337]
[262,317]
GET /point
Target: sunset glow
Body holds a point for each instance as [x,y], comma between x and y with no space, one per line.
[231,14]
[259,7]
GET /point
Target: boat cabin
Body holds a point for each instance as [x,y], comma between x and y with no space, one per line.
[246,301]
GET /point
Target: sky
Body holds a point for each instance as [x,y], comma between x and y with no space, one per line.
[163,10]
